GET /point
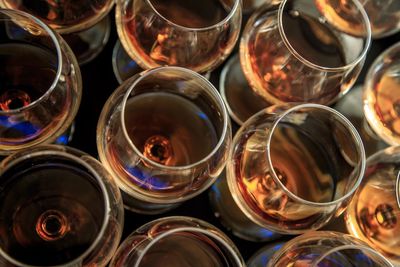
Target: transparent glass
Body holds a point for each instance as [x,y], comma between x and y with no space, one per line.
[40,89]
[374,213]
[292,168]
[198,35]
[381,97]
[164,135]
[83,23]
[384,16]
[295,52]
[320,249]
[59,207]
[177,242]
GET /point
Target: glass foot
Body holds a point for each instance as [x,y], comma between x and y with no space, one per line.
[231,217]
[66,137]
[240,99]
[124,67]
[351,106]
[263,256]
[87,44]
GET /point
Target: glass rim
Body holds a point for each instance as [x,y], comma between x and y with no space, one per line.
[363,248]
[59,150]
[55,42]
[213,233]
[237,6]
[210,89]
[357,140]
[316,66]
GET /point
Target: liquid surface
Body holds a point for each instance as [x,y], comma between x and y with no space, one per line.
[50,213]
[184,250]
[29,73]
[374,215]
[169,129]
[382,103]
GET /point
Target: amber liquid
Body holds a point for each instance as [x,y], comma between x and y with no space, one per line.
[384,15]
[169,130]
[275,73]
[154,41]
[301,164]
[51,211]
[373,214]
[382,102]
[60,13]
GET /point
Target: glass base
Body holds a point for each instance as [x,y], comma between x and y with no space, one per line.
[124,67]
[67,136]
[88,44]
[231,217]
[351,106]
[240,99]
[264,255]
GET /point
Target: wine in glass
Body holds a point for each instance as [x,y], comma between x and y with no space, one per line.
[83,24]
[291,169]
[292,52]
[164,135]
[323,249]
[177,242]
[374,213]
[198,35]
[40,88]
[58,207]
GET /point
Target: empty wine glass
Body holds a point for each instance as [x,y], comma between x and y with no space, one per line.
[40,88]
[292,52]
[198,35]
[374,213]
[58,207]
[83,24]
[177,242]
[322,249]
[291,169]
[164,135]
[375,108]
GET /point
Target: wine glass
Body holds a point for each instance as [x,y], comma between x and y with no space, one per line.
[164,135]
[40,88]
[374,213]
[321,249]
[290,51]
[59,207]
[83,24]
[375,108]
[194,34]
[177,242]
[291,169]
[384,16]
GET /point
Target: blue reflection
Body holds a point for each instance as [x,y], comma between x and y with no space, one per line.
[131,64]
[266,233]
[148,181]
[202,115]
[216,191]
[62,140]
[23,128]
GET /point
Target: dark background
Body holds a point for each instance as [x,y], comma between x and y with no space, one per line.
[99,83]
